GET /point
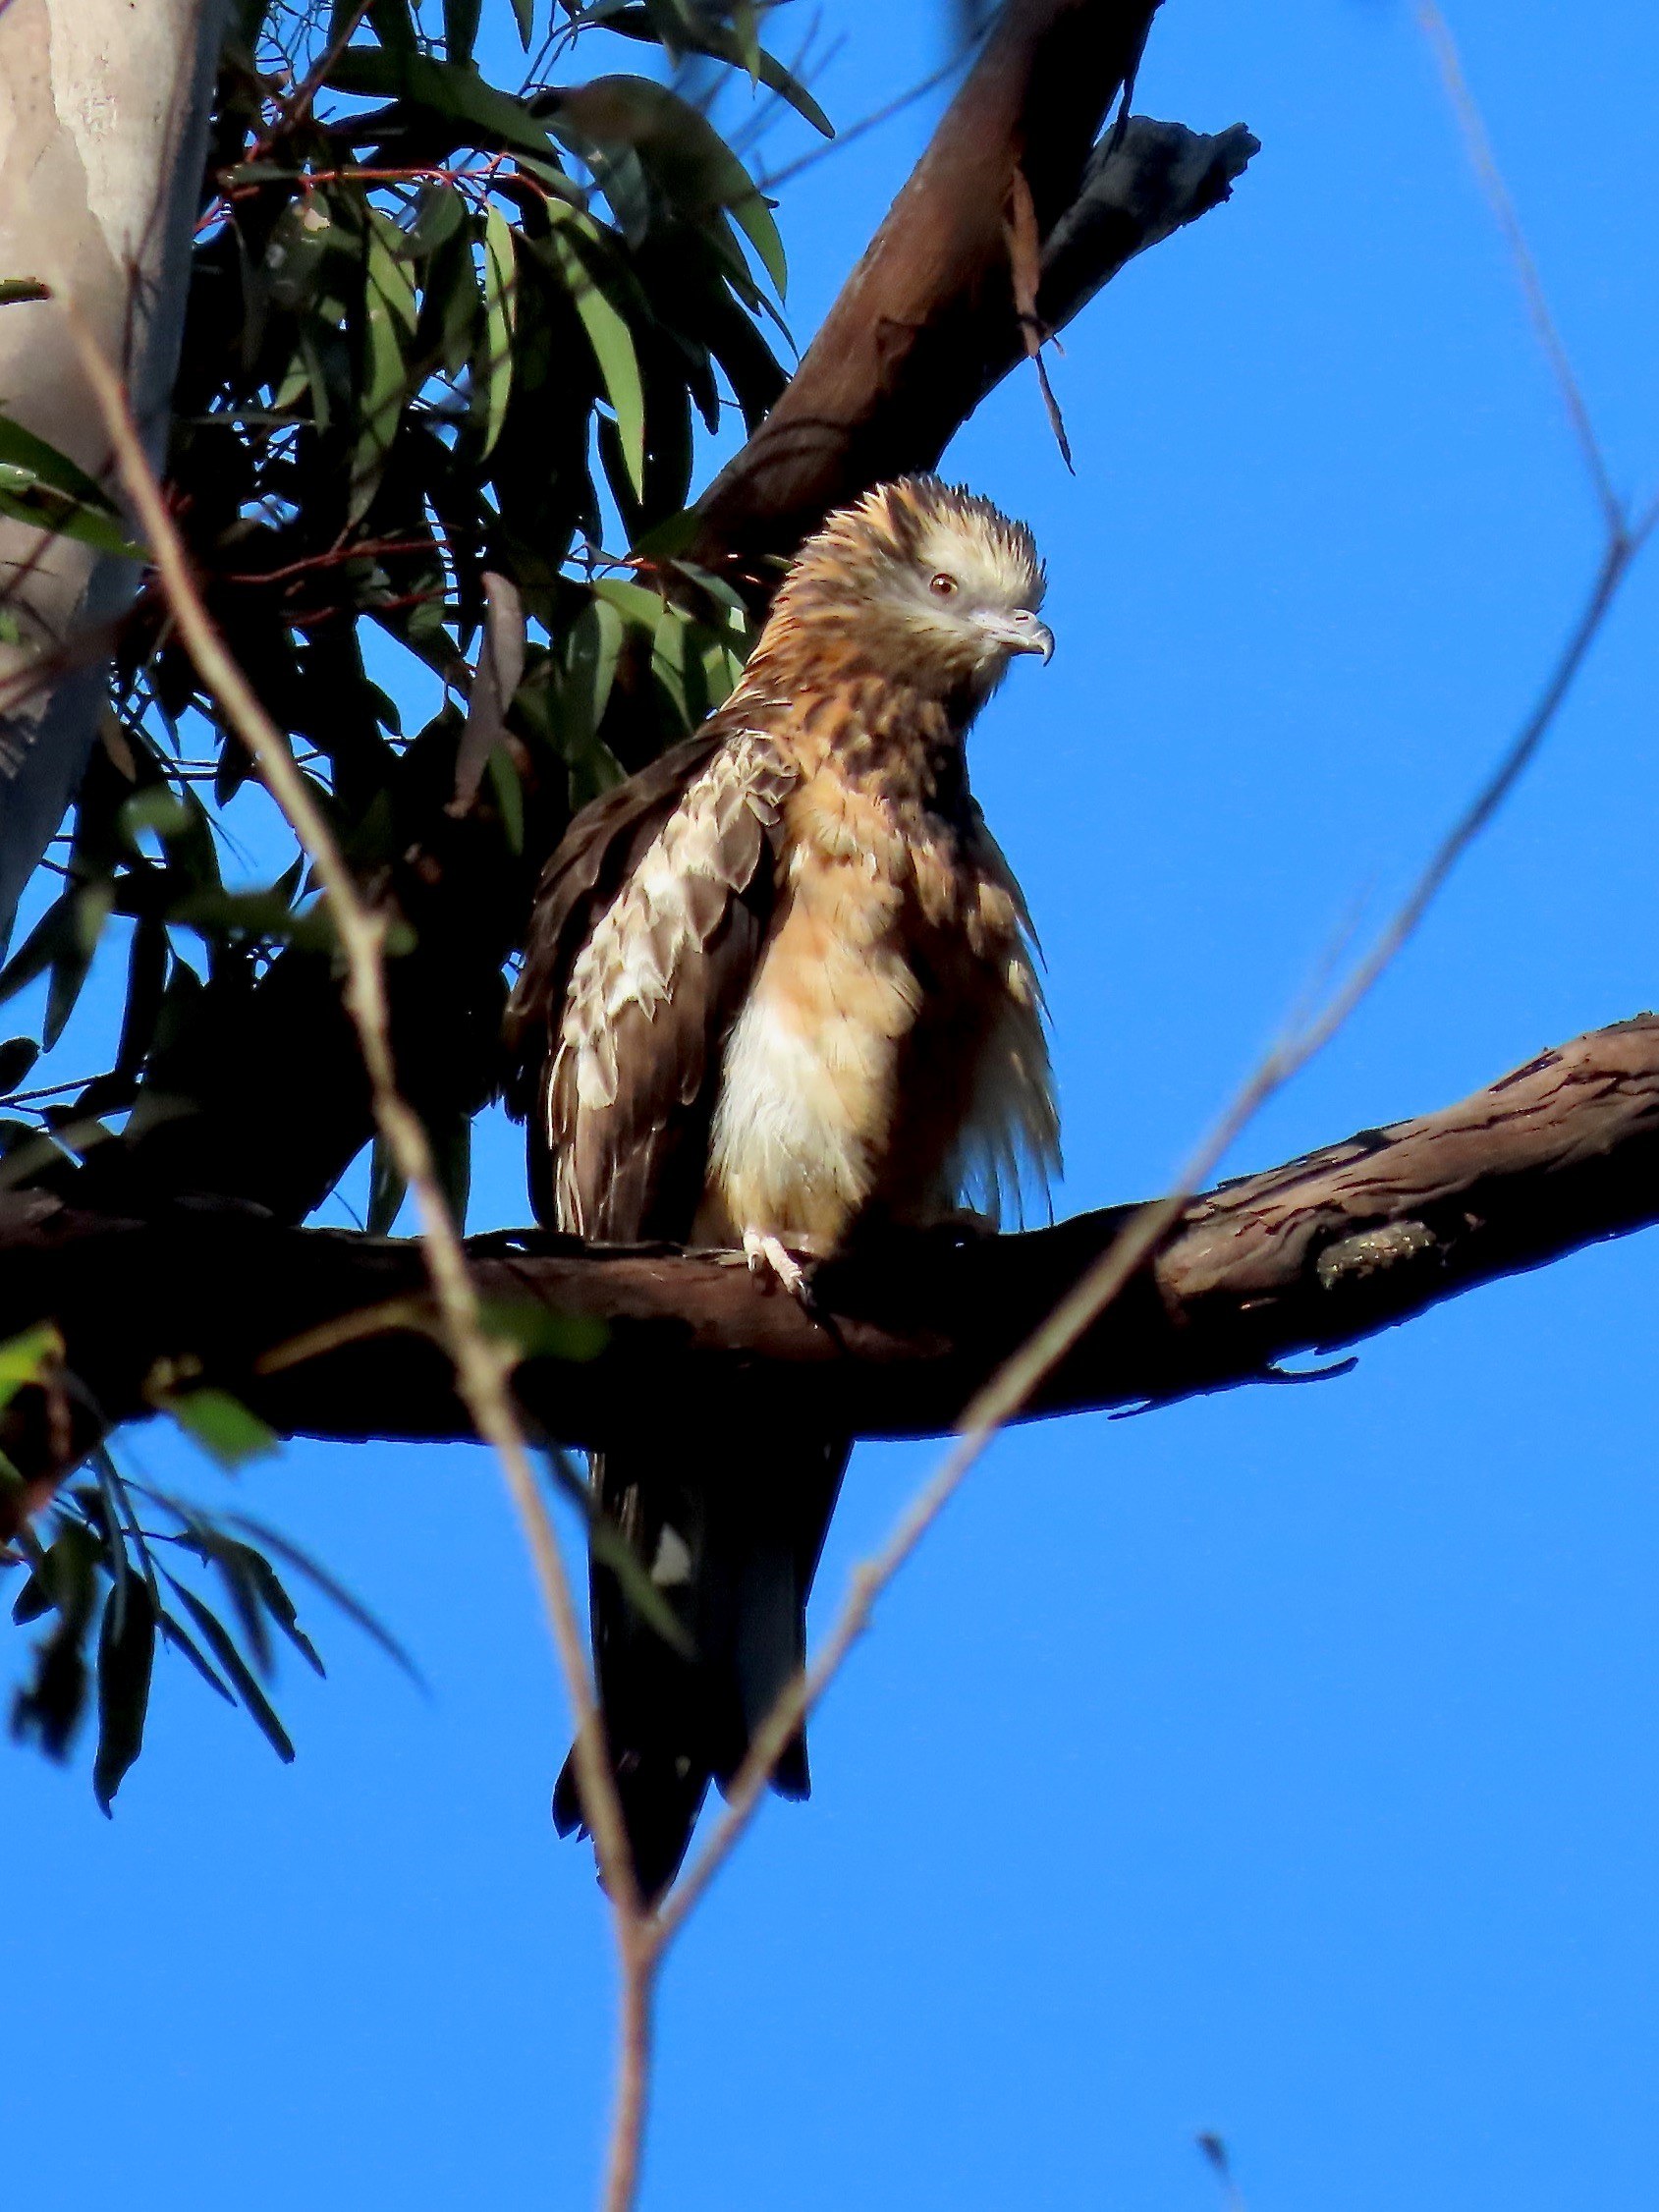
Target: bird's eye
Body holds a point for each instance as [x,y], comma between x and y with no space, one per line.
[943,586]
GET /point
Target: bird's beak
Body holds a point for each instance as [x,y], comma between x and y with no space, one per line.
[1019,633]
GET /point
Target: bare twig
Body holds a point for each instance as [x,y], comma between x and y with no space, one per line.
[997,1403]
[1009,1389]
[1478,145]
[482,1367]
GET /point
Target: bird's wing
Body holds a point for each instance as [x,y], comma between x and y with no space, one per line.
[647,931]
[1008,1149]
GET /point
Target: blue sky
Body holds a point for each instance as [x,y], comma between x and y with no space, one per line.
[1283,1764]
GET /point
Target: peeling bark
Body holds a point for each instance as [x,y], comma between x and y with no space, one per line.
[1306,1257]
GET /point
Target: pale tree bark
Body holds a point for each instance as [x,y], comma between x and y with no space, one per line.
[103,119]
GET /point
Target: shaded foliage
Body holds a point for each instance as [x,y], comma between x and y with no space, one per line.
[440,332]
[114,1566]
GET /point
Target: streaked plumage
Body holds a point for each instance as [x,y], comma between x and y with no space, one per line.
[779,990]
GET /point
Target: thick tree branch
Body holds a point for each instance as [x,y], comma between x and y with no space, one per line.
[925,324]
[1304,1257]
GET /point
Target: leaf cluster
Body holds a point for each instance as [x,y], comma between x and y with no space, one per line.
[117,1566]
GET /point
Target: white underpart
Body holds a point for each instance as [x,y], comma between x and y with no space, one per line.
[781,1134]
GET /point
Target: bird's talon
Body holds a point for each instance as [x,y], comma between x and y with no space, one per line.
[769,1258]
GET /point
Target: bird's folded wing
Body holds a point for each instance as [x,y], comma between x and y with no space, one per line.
[646,932]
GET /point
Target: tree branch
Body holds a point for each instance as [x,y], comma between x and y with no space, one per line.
[1308,1256]
[925,325]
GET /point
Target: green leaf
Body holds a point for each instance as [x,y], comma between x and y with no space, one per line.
[180,1638]
[46,489]
[332,1589]
[16,288]
[461,28]
[451,1139]
[41,947]
[455,91]
[392,22]
[280,1606]
[24,1358]
[217,1639]
[261,915]
[43,464]
[126,1660]
[669,651]
[536,1332]
[591,647]
[386,1190]
[383,384]
[524,14]
[50,1706]
[697,170]
[722,666]
[222,1425]
[33,1599]
[501,308]
[632,600]
[93,904]
[25,501]
[509,791]
[18,1056]
[159,809]
[711,36]
[613,348]
[146,992]
[442,215]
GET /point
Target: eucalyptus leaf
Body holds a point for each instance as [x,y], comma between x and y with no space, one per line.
[387,1191]
[26,1358]
[388,329]
[18,1056]
[613,345]
[222,1425]
[452,89]
[461,28]
[501,308]
[126,1660]
[711,36]
[237,1670]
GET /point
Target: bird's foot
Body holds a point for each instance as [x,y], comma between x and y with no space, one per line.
[771,1259]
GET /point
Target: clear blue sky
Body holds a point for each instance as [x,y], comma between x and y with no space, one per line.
[1285,1764]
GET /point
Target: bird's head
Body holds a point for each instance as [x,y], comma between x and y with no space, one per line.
[927,582]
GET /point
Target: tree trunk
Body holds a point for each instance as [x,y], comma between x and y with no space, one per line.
[103,118]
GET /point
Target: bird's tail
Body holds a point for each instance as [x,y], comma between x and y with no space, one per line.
[730,1542]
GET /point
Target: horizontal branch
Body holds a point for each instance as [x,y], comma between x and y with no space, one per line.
[1304,1257]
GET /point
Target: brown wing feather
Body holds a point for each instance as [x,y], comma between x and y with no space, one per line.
[586,867]
[646,932]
